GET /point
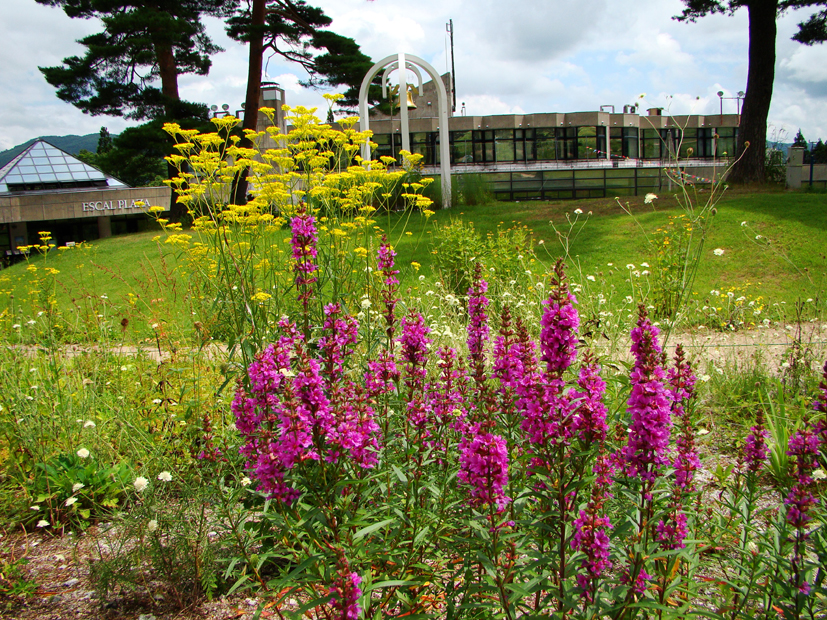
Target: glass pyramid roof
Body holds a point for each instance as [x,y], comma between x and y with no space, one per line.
[43,163]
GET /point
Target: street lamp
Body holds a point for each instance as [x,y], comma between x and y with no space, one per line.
[737,98]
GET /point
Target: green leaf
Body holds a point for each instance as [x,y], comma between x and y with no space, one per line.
[371,528]
[401,476]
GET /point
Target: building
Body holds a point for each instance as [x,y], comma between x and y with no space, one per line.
[565,155]
[47,189]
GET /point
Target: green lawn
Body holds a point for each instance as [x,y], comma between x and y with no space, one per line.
[133,275]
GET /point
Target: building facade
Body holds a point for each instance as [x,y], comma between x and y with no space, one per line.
[565,155]
[47,189]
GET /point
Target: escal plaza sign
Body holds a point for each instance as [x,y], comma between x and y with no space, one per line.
[116,205]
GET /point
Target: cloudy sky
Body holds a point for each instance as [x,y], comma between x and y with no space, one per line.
[521,56]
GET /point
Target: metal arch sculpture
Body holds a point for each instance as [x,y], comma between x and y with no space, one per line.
[402,61]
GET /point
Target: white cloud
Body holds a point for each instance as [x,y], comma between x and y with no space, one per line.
[533,56]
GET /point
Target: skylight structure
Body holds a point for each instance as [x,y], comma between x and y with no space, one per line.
[43,166]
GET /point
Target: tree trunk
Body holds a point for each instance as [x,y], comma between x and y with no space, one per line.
[752,131]
[168,71]
[253,91]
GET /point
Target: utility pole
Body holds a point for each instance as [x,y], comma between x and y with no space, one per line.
[450,28]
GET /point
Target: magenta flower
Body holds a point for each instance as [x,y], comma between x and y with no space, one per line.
[508,362]
[382,374]
[304,414]
[483,464]
[345,593]
[478,331]
[589,420]
[304,242]
[648,404]
[755,450]
[547,411]
[385,264]
[681,392]
[414,343]
[591,538]
[672,531]
[639,584]
[340,333]
[804,446]
[560,324]
[446,396]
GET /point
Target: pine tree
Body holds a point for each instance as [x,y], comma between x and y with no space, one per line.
[762,14]
[141,44]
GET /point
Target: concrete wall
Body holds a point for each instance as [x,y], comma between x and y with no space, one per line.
[798,173]
[71,204]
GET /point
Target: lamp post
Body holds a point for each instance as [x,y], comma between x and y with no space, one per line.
[737,98]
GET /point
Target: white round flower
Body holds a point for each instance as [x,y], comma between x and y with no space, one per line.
[165,476]
[245,481]
[152,525]
[649,198]
[156,401]
[630,266]
[819,475]
[578,211]
[366,304]
[77,487]
[718,252]
[644,264]
[70,501]
[140,483]
[744,223]
[590,278]
[89,424]
[83,453]
[43,523]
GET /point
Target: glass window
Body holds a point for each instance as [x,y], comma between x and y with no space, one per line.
[544,144]
[650,144]
[504,140]
[727,141]
[705,142]
[689,141]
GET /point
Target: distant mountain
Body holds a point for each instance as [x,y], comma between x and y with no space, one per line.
[70,144]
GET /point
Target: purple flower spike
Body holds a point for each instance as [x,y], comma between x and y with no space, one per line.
[385,264]
[304,242]
[756,451]
[478,330]
[484,466]
[590,413]
[681,392]
[345,592]
[804,446]
[671,533]
[591,537]
[560,324]
[649,405]
[414,344]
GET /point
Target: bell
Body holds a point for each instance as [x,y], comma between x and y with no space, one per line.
[411,104]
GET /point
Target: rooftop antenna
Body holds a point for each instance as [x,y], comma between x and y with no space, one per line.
[450,28]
